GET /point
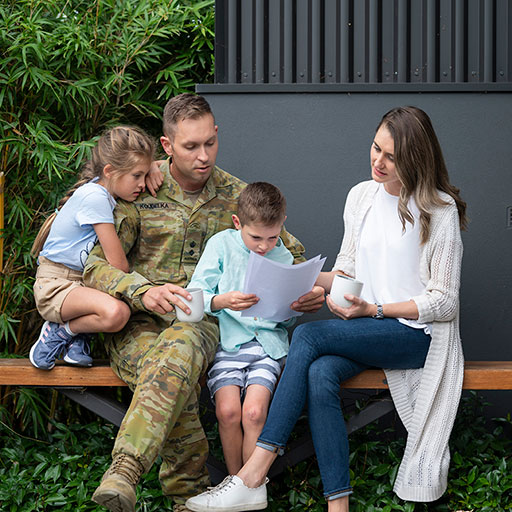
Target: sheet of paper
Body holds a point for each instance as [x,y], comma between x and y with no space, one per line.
[278,285]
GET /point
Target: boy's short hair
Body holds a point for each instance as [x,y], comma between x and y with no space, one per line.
[183,106]
[261,202]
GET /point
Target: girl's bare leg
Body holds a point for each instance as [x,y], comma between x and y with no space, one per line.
[89,310]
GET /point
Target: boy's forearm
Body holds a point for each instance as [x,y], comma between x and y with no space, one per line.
[217,303]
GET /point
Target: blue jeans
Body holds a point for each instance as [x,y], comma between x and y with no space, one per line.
[322,355]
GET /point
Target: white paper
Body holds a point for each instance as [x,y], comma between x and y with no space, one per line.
[278,285]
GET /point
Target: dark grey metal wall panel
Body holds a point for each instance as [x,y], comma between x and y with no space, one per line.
[344,45]
[504,41]
[389,47]
[402,35]
[363,41]
[275,43]
[247,38]
[331,42]
[360,48]
[260,34]
[460,41]
[474,40]
[288,41]
[233,43]
[446,42]
[302,37]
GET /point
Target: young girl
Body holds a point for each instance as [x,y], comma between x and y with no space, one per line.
[118,168]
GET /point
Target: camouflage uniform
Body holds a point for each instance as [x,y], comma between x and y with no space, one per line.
[160,358]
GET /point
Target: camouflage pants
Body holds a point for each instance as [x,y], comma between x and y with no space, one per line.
[162,365]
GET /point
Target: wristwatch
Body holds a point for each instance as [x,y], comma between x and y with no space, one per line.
[380,312]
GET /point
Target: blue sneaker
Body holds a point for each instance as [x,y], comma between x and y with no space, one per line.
[78,350]
[52,340]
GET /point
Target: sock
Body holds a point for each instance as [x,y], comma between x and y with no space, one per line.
[68,329]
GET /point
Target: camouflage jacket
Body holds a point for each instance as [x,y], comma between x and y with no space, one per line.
[164,237]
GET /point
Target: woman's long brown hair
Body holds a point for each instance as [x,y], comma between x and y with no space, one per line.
[420,166]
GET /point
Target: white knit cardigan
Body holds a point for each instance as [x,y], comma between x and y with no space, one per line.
[426,399]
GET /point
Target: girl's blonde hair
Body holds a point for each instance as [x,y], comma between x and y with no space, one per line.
[122,147]
[420,166]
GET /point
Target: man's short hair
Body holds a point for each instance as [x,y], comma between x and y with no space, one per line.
[183,106]
[261,202]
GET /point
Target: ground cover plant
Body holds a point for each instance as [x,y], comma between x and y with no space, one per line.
[61,471]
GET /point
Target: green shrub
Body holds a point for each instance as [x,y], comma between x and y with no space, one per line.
[68,70]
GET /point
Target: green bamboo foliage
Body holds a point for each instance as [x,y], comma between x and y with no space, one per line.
[69,69]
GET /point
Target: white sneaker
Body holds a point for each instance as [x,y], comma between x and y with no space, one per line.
[231,495]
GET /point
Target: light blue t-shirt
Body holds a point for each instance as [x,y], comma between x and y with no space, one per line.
[221,269]
[72,234]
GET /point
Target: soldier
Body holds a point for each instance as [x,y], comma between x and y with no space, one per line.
[160,358]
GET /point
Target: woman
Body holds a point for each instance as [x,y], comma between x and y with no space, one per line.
[402,239]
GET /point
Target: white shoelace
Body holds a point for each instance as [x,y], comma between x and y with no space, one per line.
[225,485]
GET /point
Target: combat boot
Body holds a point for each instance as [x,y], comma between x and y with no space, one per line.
[117,489]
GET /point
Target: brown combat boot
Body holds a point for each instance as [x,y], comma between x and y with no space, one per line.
[117,489]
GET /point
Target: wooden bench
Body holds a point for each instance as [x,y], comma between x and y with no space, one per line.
[86,386]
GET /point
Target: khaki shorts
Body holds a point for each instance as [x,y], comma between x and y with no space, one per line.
[53,283]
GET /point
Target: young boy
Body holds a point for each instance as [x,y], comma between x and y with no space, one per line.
[252,350]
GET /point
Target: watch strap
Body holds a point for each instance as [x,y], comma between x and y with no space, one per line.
[380,312]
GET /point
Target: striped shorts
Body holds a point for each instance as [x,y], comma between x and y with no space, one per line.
[248,365]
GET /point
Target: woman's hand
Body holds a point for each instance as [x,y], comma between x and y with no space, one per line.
[358,309]
[236,301]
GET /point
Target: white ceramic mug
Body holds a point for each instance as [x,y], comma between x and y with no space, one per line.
[343,285]
[196,306]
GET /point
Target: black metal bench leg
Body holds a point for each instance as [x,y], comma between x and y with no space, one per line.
[104,406]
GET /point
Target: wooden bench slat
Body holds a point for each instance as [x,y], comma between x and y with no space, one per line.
[20,372]
[478,375]
[488,375]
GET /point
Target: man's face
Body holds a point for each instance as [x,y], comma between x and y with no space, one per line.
[193,149]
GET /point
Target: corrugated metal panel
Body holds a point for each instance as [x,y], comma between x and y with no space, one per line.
[363,41]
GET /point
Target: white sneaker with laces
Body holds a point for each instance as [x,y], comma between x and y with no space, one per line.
[231,495]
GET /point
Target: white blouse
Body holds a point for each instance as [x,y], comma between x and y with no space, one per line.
[387,258]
